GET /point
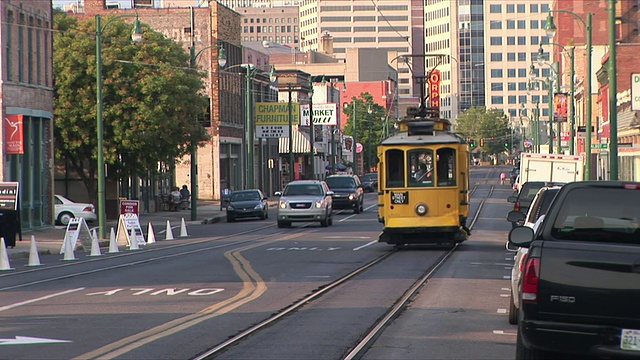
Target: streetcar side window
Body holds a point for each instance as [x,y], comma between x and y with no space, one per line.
[420,167]
[446,167]
[394,168]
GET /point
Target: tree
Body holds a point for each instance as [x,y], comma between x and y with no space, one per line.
[370,125]
[151,100]
[489,128]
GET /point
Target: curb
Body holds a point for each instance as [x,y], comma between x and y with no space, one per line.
[215,219]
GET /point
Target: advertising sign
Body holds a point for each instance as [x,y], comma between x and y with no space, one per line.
[9,195]
[434,88]
[14,134]
[560,107]
[272,119]
[323,114]
[635,92]
[129,207]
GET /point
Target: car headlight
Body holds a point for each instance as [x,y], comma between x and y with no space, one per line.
[352,196]
[258,207]
[319,203]
[229,207]
[282,204]
[421,209]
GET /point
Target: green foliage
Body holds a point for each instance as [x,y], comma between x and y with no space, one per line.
[370,127]
[490,126]
[151,99]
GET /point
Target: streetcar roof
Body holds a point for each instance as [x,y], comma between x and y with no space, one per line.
[439,137]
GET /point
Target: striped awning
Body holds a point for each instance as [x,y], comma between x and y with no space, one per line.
[301,144]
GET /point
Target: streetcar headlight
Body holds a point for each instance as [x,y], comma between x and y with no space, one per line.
[422,209]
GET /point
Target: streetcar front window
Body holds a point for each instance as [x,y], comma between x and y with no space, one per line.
[420,166]
[446,167]
[395,168]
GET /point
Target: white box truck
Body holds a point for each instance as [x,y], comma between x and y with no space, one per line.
[551,167]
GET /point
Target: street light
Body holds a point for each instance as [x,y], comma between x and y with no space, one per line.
[136,37]
[572,90]
[551,29]
[222,61]
[312,129]
[251,70]
[556,72]
[353,143]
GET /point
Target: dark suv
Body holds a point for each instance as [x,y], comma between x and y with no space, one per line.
[347,192]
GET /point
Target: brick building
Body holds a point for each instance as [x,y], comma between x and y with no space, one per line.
[26,99]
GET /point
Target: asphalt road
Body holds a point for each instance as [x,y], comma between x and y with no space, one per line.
[176,299]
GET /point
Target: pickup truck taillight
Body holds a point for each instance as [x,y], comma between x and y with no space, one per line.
[530,280]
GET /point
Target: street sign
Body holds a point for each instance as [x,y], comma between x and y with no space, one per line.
[129,207]
[359,148]
[599,146]
[635,92]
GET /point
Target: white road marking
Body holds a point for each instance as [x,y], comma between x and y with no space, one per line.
[501,332]
[505,289]
[26,340]
[8,307]
[504,295]
[507,277]
[365,245]
[502,311]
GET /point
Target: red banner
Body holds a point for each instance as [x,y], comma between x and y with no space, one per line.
[434,88]
[14,134]
[560,107]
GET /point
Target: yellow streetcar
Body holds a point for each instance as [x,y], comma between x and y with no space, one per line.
[423,182]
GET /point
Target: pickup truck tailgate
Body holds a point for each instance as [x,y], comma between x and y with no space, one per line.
[598,281]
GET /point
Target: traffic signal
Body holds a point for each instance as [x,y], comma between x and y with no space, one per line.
[472,143]
[482,142]
[506,145]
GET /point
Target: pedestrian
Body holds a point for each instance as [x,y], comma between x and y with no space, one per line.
[503,177]
[175,198]
[185,196]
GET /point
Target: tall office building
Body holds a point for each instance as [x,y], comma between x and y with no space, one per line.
[232,4]
[394,25]
[513,34]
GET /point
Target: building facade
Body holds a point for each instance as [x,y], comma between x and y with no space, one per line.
[26,103]
[273,24]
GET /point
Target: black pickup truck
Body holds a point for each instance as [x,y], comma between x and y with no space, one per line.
[580,288]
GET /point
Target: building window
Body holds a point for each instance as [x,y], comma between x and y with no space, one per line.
[496,73]
[511,24]
[522,40]
[522,24]
[521,9]
[511,40]
[496,40]
[511,8]
[511,86]
[496,86]
[511,73]
[522,56]
[522,73]
[496,56]
[495,8]
[511,99]
[522,99]
[534,24]
[544,8]
[511,56]
[496,25]
[533,8]
[497,100]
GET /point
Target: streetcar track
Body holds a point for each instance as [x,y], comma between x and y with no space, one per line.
[377,328]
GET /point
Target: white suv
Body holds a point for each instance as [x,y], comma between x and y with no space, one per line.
[305,200]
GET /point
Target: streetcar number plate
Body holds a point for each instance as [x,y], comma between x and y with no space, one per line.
[400,197]
[630,339]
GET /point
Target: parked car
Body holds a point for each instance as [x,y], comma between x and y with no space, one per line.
[370,182]
[247,204]
[66,209]
[539,206]
[348,192]
[305,200]
[513,175]
[523,199]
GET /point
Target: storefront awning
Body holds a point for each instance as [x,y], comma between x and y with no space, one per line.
[301,144]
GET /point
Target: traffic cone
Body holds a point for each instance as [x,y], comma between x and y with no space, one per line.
[183,229]
[68,251]
[151,237]
[34,257]
[113,243]
[4,257]
[95,245]
[169,232]
[133,241]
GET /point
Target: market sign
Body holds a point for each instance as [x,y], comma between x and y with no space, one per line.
[323,114]
[272,118]
[635,92]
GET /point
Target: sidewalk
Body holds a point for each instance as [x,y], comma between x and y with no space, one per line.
[49,240]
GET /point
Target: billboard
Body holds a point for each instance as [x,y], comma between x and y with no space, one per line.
[323,114]
[560,107]
[272,119]
[434,88]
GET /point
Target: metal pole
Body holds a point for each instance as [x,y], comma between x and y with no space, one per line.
[572,130]
[102,216]
[587,140]
[550,84]
[249,184]
[194,152]
[613,94]
[559,133]
[333,138]
[312,131]
[537,127]
[353,146]
[291,170]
